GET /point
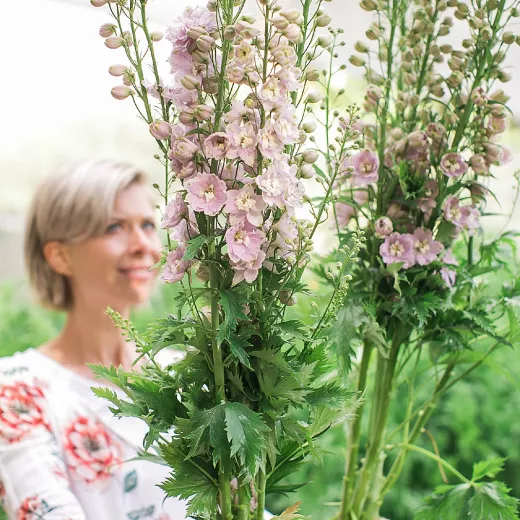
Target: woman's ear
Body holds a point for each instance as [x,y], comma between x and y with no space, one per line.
[57,256]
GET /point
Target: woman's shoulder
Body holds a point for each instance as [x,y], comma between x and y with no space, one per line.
[21,365]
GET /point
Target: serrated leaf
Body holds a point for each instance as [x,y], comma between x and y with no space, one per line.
[246,434]
[232,303]
[194,245]
[487,468]
[447,503]
[237,346]
[492,501]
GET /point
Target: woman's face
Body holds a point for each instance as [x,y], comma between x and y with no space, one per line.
[113,269]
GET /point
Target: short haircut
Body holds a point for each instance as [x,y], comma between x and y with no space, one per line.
[71,205]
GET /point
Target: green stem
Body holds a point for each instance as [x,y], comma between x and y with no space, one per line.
[355,432]
[434,457]
[244,504]
[262,481]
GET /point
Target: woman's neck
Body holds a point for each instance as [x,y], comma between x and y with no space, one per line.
[90,336]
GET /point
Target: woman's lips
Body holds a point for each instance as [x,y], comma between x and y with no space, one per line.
[137,273]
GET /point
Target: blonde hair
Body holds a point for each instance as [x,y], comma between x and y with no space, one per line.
[71,205]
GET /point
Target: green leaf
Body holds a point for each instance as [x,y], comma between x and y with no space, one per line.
[194,245]
[246,434]
[393,269]
[487,468]
[447,503]
[294,328]
[492,501]
[233,304]
[237,346]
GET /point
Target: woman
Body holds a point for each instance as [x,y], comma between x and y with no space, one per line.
[90,243]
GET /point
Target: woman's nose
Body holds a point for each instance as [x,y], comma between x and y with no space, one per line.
[141,241]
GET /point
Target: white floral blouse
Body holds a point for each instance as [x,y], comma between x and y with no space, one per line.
[64,456]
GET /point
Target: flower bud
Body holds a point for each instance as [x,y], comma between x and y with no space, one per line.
[499,96]
[374,93]
[186,117]
[107,29]
[504,76]
[309,127]
[508,38]
[310,156]
[312,75]
[479,96]
[118,70]
[357,61]
[211,6]
[205,43]
[196,32]
[292,32]
[313,97]
[373,33]
[292,15]
[307,171]
[229,33]
[475,22]
[190,82]
[383,226]
[160,129]
[114,42]
[324,41]
[128,78]
[246,30]
[122,92]
[287,298]
[280,22]
[210,85]
[203,112]
[202,273]
[156,36]
[98,3]
[368,5]
[360,47]
[486,33]
[323,20]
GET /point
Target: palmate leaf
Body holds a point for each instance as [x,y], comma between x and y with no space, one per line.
[233,304]
[246,434]
[487,468]
[194,245]
[237,346]
[447,503]
[492,501]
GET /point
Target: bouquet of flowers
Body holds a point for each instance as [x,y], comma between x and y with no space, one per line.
[418,304]
[233,121]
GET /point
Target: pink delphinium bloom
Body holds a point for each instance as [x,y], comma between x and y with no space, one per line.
[383,227]
[294,192]
[507,156]
[183,149]
[175,268]
[206,193]
[398,248]
[342,214]
[272,94]
[248,271]
[233,173]
[191,17]
[463,217]
[449,275]
[243,141]
[453,165]
[366,165]
[428,203]
[175,211]
[239,113]
[273,183]
[245,204]
[184,170]
[244,242]
[425,247]
[286,125]
[289,78]
[216,145]
[269,143]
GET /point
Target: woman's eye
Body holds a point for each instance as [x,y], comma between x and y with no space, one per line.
[113,228]
[149,225]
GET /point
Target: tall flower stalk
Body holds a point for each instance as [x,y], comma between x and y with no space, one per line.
[417,189]
[233,121]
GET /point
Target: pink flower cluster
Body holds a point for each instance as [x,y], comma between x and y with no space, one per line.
[219,169]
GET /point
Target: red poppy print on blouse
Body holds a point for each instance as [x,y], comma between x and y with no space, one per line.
[34,508]
[21,410]
[90,450]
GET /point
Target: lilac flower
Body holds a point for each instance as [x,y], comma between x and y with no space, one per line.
[479,164]
[449,275]
[273,183]
[175,268]
[398,248]
[216,145]
[244,242]
[343,213]
[453,165]
[366,165]
[245,204]
[383,226]
[175,211]
[183,149]
[206,193]
[272,94]
[286,125]
[243,141]
[247,271]
[425,248]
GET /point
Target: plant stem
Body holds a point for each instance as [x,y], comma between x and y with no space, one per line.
[243,504]
[355,432]
[261,482]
